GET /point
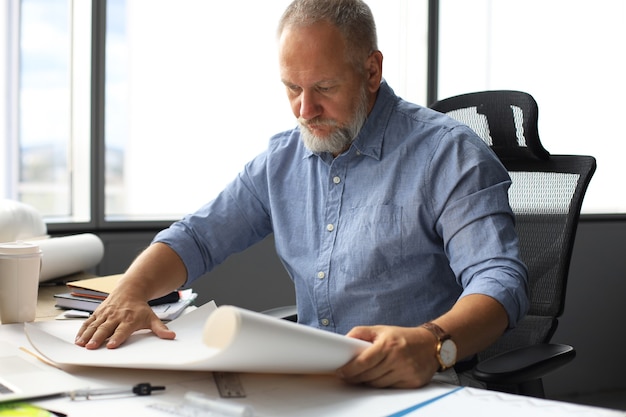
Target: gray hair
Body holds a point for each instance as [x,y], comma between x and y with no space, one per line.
[353,18]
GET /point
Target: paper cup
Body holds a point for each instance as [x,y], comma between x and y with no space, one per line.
[20,265]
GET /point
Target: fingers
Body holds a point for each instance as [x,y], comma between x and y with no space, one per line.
[161,330]
[117,336]
[98,329]
[364,367]
[387,373]
[395,359]
[379,369]
[114,326]
[86,332]
[367,333]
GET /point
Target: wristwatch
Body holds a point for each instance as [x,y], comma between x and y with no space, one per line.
[446,348]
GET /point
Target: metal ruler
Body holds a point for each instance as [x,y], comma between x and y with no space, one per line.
[229,385]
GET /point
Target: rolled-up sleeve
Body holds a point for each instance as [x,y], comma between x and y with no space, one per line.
[477,224]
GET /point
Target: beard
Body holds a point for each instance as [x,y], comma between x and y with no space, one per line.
[341,136]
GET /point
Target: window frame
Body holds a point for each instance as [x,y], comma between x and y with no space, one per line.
[98,221]
[9,105]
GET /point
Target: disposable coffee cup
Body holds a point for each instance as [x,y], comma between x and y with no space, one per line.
[20,265]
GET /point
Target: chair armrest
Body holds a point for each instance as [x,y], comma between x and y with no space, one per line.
[524,364]
[289,313]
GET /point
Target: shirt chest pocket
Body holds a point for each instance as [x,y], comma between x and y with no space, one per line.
[369,241]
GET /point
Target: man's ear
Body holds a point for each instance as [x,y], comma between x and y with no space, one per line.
[374,68]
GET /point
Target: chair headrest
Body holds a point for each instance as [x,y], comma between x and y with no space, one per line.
[511,118]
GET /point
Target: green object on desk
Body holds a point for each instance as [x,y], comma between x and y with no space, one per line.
[17,409]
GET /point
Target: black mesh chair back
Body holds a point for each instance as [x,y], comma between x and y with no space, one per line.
[546,196]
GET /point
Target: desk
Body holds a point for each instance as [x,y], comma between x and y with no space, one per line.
[295,395]
[45,299]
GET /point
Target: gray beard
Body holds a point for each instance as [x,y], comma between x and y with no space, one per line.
[339,140]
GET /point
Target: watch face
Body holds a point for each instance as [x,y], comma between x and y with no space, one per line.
[447,353]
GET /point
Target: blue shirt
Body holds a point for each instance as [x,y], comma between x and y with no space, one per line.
[414,215]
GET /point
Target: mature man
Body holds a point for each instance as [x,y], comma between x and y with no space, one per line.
[392,220]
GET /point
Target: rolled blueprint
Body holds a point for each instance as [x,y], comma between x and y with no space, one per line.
[69,254]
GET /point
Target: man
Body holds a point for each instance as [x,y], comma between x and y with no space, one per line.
[386,215]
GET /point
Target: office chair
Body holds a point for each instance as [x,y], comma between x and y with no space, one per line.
[546,196]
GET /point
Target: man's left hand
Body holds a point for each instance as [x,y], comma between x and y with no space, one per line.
[400,357]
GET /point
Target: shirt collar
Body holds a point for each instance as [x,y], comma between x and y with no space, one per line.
[369,141]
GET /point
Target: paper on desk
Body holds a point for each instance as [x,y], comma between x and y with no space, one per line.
[484,403]
[234,339]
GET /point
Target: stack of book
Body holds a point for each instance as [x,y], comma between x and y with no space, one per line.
[87,294]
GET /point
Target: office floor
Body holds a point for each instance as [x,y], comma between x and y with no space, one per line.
[610,399]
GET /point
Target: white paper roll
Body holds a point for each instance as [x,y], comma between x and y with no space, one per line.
[69,254]
[19,221]
[253,342]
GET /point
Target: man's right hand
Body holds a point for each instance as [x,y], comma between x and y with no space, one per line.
[158,270]
[116,319]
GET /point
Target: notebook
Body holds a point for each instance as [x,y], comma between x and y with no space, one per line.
[23,376]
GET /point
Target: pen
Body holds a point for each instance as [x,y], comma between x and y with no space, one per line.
[200,401]
[141,389]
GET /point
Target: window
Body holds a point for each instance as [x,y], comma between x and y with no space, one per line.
[45,113]
[193,92]
[568,55]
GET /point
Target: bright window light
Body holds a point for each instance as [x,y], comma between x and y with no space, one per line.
[45,114]
[193,93]
[567,55]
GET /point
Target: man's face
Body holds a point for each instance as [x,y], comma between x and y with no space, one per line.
[328,96]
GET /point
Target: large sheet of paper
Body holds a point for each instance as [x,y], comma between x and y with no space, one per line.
[278,395]
[227,338]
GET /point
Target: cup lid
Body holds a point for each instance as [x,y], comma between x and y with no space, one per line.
[18,248]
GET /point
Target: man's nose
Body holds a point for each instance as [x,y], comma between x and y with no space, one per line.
[309,106]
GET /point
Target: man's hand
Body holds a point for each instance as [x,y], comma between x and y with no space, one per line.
[400,357]
[405,357]
[116,319]
[158,270]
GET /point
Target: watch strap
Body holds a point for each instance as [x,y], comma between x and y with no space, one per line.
[442,336]
[439,333]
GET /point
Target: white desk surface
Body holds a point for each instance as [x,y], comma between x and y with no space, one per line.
[285,395]
[294,395]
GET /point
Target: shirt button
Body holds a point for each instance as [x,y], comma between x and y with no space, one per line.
[330,227]
[321,275]
[325,322]
[336,180]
